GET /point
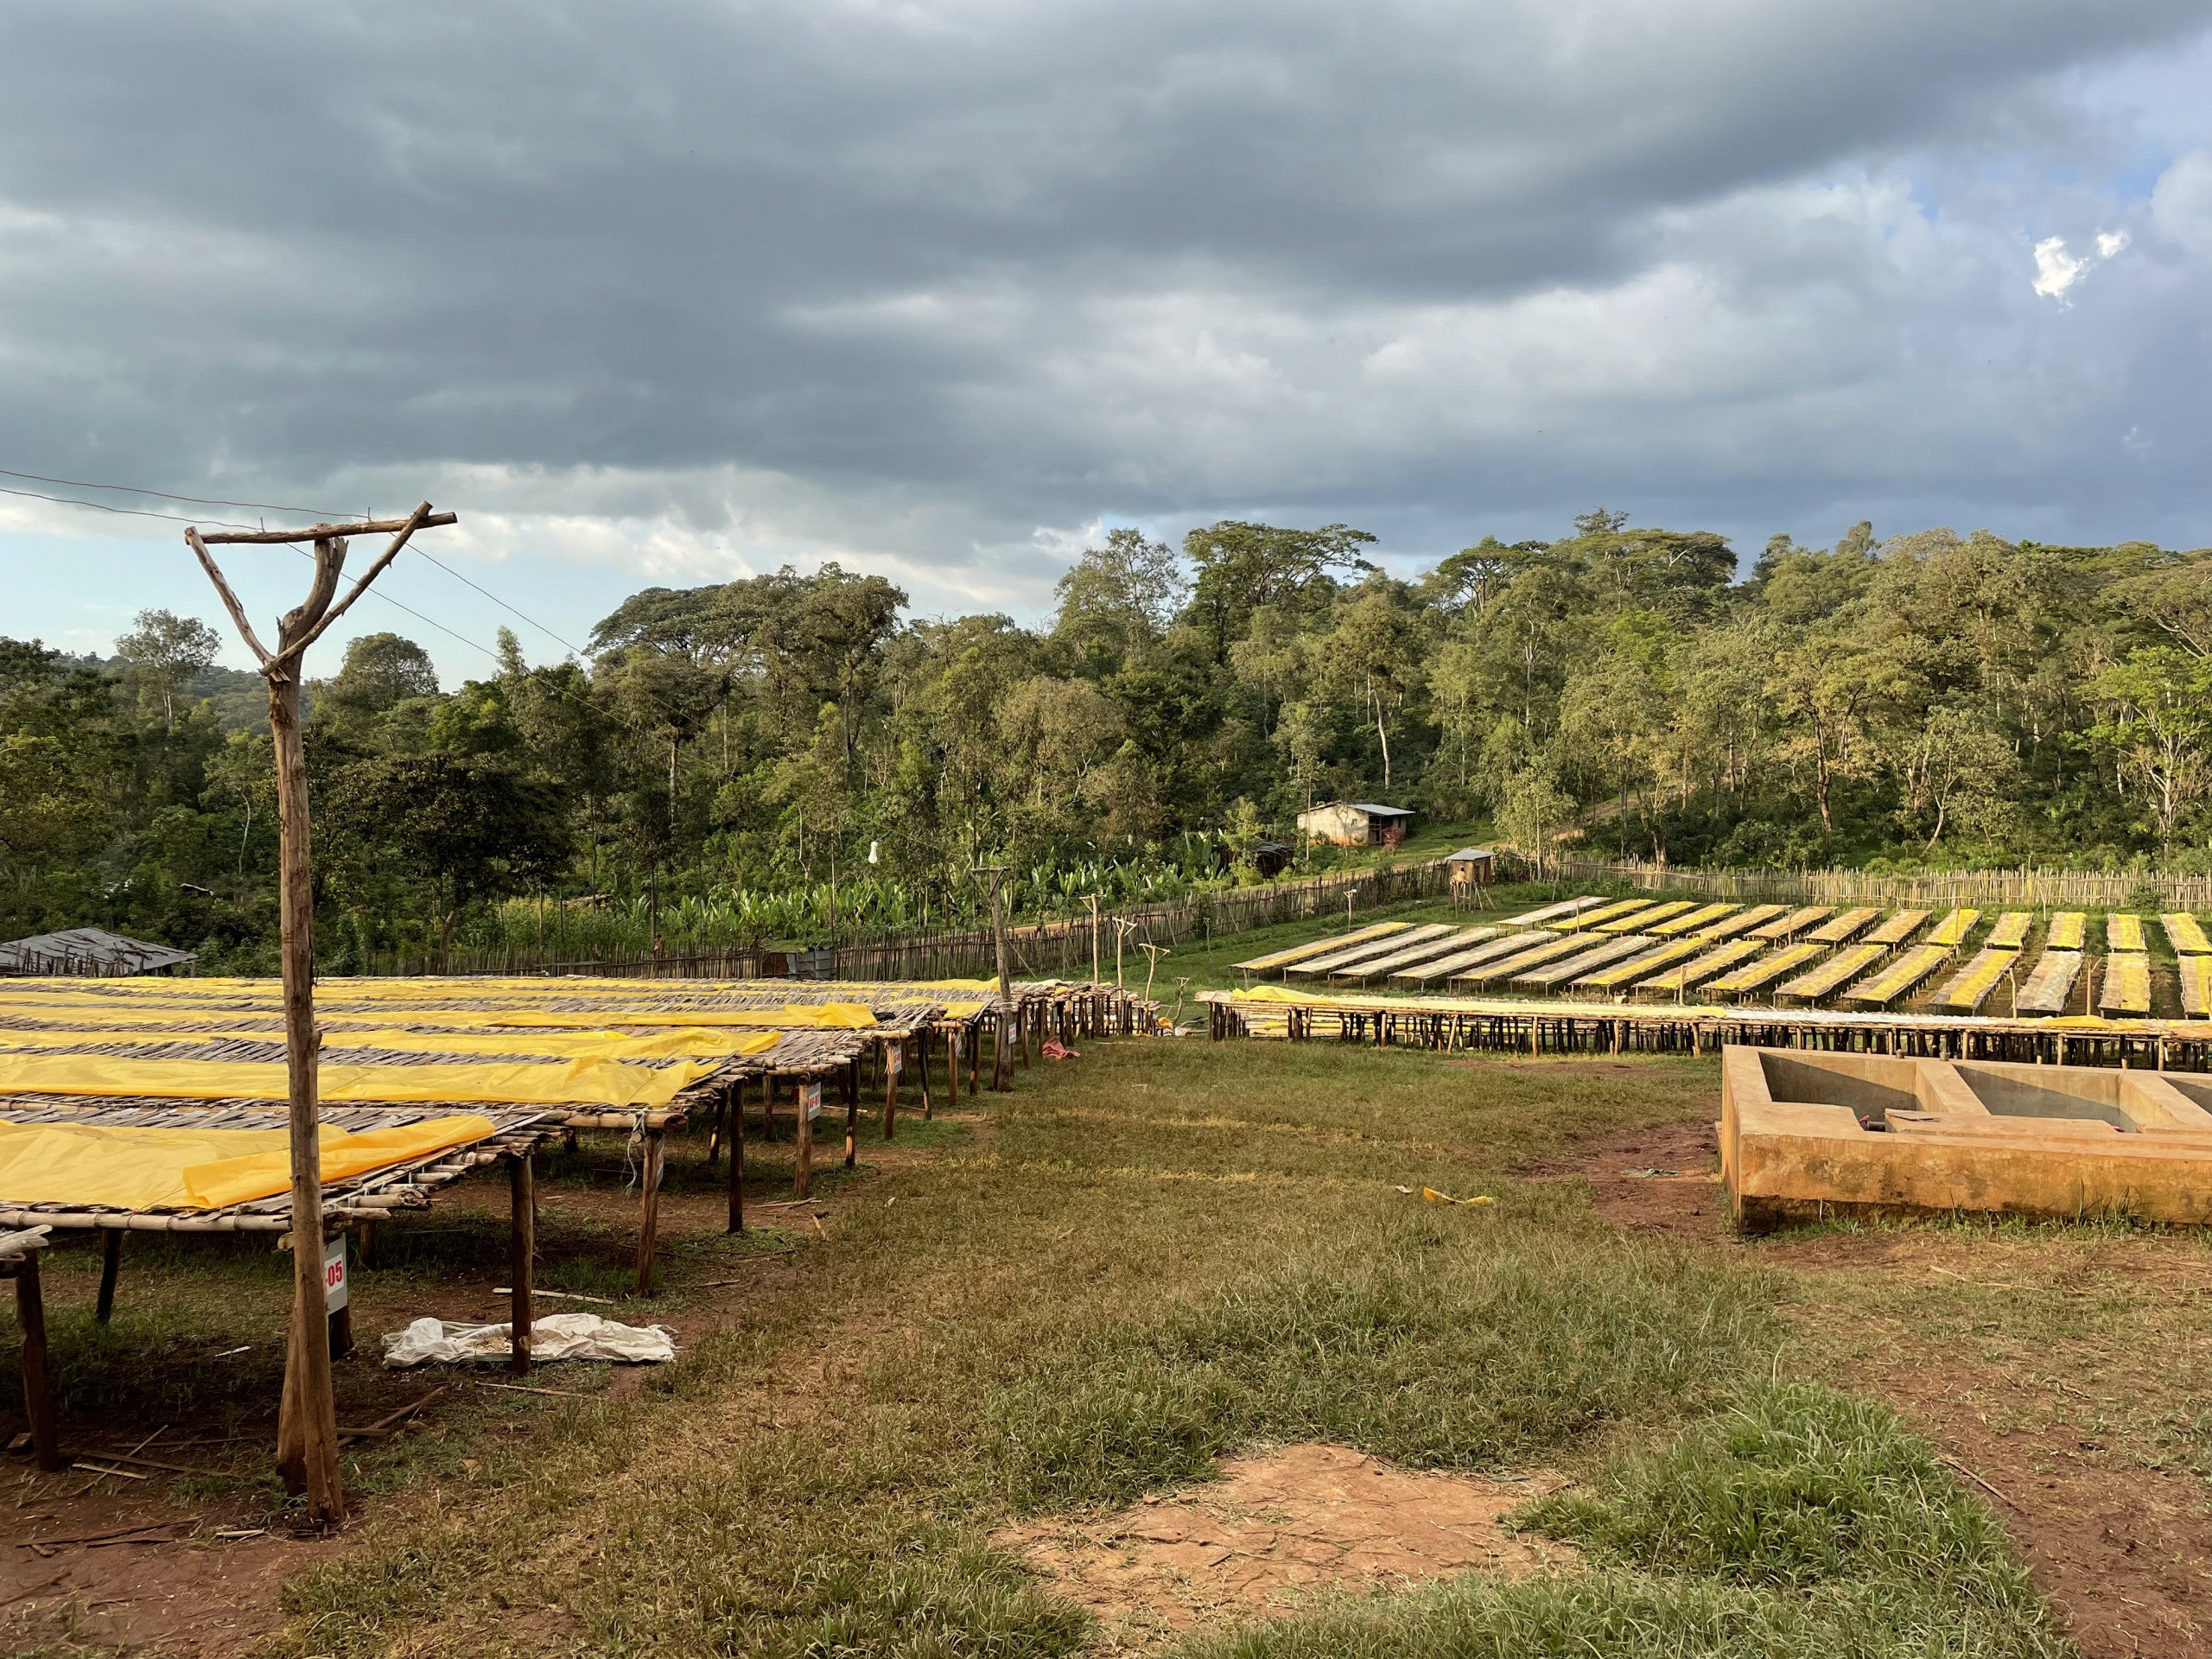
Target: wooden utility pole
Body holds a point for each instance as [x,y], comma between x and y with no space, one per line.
[1094,938]
[998,929]
[306,1430]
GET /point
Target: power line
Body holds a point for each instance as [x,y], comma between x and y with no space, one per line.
[140,512]
[166,495]
[496,599]
[128,513]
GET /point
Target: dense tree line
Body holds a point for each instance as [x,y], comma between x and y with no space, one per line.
[1931,698]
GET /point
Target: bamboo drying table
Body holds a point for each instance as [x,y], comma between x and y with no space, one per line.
[357,1200]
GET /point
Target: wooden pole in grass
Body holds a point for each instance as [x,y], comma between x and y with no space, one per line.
[307,1432]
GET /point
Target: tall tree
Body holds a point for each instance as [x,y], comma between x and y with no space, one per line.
[164,651]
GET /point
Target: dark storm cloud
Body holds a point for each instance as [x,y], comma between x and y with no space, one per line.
[911,279]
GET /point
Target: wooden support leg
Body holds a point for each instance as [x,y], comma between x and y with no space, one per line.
[975,1055]
[649,1211]
[951,1070]
[714,1130]
[1002,1064]
[111,1264]
[1021,1032]
[851,1078]
[366,1256]
[341,1330]
[803,1170]
[522,1254]
[38,1396]
[894,1054]
[929,1100]
[736,1158]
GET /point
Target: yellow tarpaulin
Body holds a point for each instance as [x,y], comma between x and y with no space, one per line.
[679,1043]
[571,1082]
[802,1016]
[205,1169]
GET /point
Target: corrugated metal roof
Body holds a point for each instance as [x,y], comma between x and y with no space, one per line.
[80,949]
[1374,810]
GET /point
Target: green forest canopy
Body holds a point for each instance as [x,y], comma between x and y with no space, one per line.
[1932,698]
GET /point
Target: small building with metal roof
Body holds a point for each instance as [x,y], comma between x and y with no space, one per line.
[1356,824]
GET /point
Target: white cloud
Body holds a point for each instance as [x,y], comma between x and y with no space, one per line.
[2181,202]
[2058,271]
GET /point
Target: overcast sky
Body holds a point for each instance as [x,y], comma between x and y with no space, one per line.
[679,293]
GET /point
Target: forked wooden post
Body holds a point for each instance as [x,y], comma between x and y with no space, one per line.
[736,1095]
[306,1432]
[649,1207]
[522,1258]
[1000,1078]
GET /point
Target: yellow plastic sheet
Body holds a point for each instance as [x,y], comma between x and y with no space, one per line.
[805,1016]
[206,1169]
[681,1043]
[570,1083]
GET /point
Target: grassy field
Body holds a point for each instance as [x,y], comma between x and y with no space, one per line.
[1083,1292]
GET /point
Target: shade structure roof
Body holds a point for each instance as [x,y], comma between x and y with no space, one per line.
[95,948]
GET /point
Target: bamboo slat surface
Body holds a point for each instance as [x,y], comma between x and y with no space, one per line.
[1562,944]
[1895,978]
[2050,983]
[1452,942]
[1968,988]
[1744,921]
[1899,928]
[1840,929]
[1595,919]
[1372,950]
[1716,960]
[1644,920]
[2070,930]
[1583,962]
[1819,982]
[2124,932]
[1566,910]
[1756,976]
[1504,946]
[1954,927]
[1792,923]
[1640,966]
[2185,933]
[2197,984]
[1276,959]
[2128,984]
[1705,916]
[2011,931]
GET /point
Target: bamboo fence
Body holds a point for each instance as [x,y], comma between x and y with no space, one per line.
[1058,949]
[2033,889]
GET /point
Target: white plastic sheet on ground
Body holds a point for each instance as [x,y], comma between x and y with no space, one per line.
[558,1336]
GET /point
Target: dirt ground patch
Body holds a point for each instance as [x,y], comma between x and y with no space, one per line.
[173,1586]
[2123,1549]
[176,1586]
[2128,1557]
[1660,1180]
[1278,1529]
